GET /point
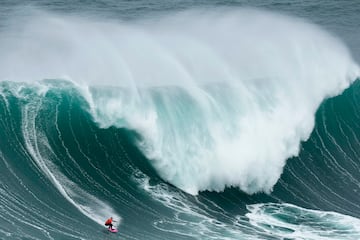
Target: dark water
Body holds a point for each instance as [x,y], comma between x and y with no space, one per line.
[86,147]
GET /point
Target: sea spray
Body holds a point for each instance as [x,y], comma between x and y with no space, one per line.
[219,98]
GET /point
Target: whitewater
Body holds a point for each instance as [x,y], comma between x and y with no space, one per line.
[181,124]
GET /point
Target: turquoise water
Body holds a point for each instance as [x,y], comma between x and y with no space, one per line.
[182,120]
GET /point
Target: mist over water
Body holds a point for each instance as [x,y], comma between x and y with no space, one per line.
[219,98]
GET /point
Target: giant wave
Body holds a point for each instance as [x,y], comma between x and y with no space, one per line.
[212,94]
[114,118]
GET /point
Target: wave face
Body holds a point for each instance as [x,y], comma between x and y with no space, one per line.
[178,127]
[63,174]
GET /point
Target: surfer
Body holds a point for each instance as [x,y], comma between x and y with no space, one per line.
[109,223]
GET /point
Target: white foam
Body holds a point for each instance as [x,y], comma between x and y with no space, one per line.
[188,220]
[221,98]
[290,221]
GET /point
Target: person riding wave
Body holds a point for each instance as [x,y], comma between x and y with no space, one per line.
[109,223]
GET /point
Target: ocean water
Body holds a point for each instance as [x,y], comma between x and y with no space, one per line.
[180,119]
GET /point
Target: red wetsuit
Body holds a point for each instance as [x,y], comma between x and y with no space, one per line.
[109,223]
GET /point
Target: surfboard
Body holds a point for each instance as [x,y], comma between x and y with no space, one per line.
[114,230]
